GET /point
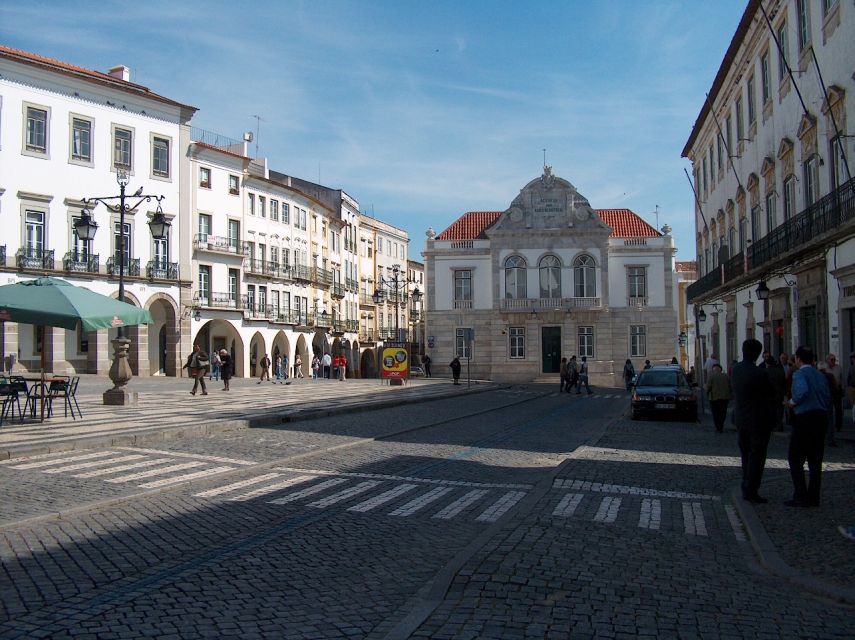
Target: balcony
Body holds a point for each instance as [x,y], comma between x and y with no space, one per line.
[34,258]
[218,300]
[365,298]
[302,272]
[74,262]
[219,244]
[558,304]
[366,336]
[804,235]
[161,270]
[415,316]
[322,277]
[351,284]
[132,268]
[337,290]
[267,269]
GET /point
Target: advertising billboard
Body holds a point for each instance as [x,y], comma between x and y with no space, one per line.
[395,361]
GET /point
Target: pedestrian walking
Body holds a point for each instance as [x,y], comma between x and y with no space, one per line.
[298,367]
[277,367]
[285,368]
[197,363]
[226,368]
[215,366]
[690,375]
[265,369]
[316,366]
[426,364]
[811,402]
[562,374]
[785,363]
[647,365]
[326,363]
[583,377]
[628,374]
[342,368]
[572,373]
[754,418]
[719,392]
[455,369]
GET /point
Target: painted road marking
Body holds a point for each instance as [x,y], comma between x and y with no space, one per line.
[91,464]
[501,506]
[122,467]
[235,486]
[735,523]
[568,505]
[608,511]
[380,476]
[601,487]
[155,472]
[345,494]
[383,498]
[276,486]
[693,519]
[460,504]
[165,482]
[194,456]
[651,514]
[309,491]
[422,501]
[49,463]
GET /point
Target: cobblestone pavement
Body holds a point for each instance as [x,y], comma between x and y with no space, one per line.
[511,513]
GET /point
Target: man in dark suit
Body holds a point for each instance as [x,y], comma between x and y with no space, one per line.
[754,417]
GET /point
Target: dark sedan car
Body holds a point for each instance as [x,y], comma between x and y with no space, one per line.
[664,390]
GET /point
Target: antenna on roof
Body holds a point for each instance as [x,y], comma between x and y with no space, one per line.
[258,121]
[656,213]
[544,157]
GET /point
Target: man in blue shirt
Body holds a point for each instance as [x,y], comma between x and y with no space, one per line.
[810,400]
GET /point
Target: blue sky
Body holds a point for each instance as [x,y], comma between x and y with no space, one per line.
[425,110]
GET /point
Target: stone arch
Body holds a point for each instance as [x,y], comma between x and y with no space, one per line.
[257,349]
[164,335]
[336,348]
[353,357]
[348,353]
[222,334]
[281,346]
[302,350]
[368,364]
[320,343]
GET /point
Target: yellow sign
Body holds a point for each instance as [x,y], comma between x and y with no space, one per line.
[395,361]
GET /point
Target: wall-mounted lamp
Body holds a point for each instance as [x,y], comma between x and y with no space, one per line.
[762,291]
[701,315]
[197,316]
[533,313]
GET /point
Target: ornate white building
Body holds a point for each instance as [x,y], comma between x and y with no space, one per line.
[548,278]
[775,208]
[65,133]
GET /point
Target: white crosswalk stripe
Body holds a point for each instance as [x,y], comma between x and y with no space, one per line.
[383,498]
[59,461]
[362,487]
[421,502]
[608,511]
[568,505]
[460,504]
[501,506]
[155,472]
[693,519]
[122,467]
[91,464]
[204,473]
[650,516]
[210,493]
[309,491]
[271,488]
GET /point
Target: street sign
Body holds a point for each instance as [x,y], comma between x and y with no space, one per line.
[431,342]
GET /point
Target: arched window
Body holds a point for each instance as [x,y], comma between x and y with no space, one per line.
[550,277]
[584,272]
[515,273]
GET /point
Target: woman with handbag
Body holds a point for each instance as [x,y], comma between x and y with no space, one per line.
[197,363]
[225,368]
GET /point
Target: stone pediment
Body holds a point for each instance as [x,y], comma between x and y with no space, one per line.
[549,203]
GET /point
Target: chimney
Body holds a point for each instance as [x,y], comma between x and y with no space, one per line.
[121,72]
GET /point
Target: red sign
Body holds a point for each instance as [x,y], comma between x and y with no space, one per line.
[117,322]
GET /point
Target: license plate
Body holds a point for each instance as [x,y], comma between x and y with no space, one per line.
[662,405]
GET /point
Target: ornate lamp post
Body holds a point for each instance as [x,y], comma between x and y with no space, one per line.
[85,227]
[394,286]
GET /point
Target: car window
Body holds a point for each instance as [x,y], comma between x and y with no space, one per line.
[660,379]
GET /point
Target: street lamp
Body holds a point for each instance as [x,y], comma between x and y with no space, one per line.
[120,371]
[395,285]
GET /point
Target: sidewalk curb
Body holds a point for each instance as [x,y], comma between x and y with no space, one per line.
[772,561]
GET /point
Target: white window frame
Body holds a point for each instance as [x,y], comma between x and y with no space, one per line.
[205,180]
[27,147]
[114,140]
[80,160]
[586,341]
[516,343]
[234,185]
[549,269]
[636,281]
[158,173]
[637,341]
[810,177]
[516,276]
[583,284]
[459,277]
[461,350]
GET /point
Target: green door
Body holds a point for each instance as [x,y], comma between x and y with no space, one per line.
[550,341]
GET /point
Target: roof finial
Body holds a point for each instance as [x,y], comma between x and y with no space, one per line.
[544,158]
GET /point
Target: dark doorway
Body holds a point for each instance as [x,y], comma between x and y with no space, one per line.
[808,328]
[550,341]
[161,350]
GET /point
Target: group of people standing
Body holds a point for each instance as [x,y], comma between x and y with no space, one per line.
[199,366]
[764,397]
[574,375]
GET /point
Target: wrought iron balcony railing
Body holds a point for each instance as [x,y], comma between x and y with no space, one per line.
[365,298]
[161,270]
[544,304]
[219,244]
[29,258]
[80,263]
[802,235]
[132,267]
[351,284]
[302,272]
[337,291]
[219,300]
[322,276]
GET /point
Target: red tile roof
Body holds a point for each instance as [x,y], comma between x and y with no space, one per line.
[470,226]
[34,59]
[685,266]
[624,223]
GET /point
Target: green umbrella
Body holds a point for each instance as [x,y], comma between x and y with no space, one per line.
[57,303]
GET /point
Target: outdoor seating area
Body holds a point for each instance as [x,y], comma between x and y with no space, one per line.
[38,394]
